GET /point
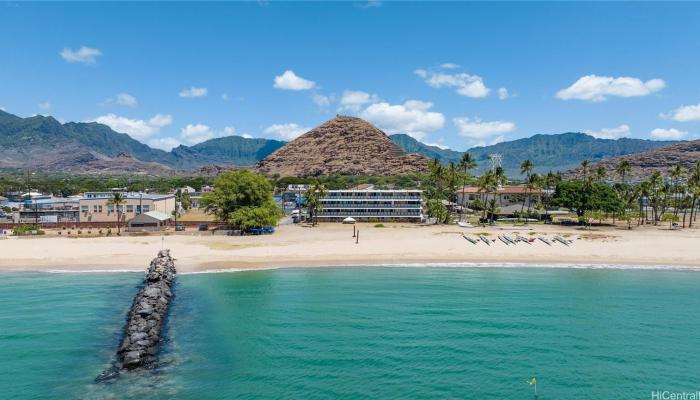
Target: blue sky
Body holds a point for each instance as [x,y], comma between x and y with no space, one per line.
[453,74]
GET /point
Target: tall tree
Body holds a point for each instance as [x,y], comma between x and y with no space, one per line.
[467,164]
[526,167]
[623,169]
[117,201]
[241,195]
[312,199]
[584,169]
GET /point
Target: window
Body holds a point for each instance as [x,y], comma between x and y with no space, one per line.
[146,208]
[110,209]
[94,208]
[84,208]
[99,208]
[129,208]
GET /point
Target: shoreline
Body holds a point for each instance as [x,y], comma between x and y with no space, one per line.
[332,245]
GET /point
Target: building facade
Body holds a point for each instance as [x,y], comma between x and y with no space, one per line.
[372,205]
[94,206]
[48,209]
[505,196]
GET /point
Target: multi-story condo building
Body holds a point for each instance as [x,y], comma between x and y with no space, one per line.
[372,205]
[94,206]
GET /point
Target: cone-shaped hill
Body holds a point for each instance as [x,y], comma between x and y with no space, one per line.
[346,146]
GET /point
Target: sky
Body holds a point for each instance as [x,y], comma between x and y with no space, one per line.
[451,74]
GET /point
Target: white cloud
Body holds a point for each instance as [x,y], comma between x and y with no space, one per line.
[668,134]
[611,133]
[44,106]
[194,92]
[122,99]
[354,100]
[503,93]
[686,113]
[136,128]
[197,133]
[599,88]
[465,84]
[288,131]
[290,81]
[321,100]
[412,117]
[247,135]
[480,132]
[449,66]
[85,55]
[167,143]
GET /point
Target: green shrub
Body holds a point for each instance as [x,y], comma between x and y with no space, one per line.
[23,230]
[379,225]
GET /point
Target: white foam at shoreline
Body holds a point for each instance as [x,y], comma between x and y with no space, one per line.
[650,267]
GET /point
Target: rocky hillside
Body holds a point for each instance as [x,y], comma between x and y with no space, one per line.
[342,145]
[645,163]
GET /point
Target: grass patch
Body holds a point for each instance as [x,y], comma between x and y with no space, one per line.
[379,225]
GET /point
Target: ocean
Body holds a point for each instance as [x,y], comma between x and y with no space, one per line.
[361,333]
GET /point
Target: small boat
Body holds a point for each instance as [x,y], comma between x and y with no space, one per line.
[470,239]
[545,241]
[465,224]
[503,240]
[561,240]
[483,239]
[522,239]
[511,241]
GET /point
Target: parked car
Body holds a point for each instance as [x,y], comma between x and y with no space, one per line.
[179,227]
[266,230]
[203,227]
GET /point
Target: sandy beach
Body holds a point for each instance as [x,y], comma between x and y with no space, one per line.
[333,245]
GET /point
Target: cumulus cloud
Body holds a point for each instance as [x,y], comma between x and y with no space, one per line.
[354,100]
[503,93]
[480,132]
[685,113]
[611,133]
[412,117]
[197,133]
[668,134]
[44,106]
[194,92]
[138,129]
[246,135]
[287,131]
[599,88]
[290,81]
[321,100]
[166,143]
[122,99]
[465,84]
[85,55]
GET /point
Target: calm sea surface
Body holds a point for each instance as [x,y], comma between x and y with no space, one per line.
[361,333]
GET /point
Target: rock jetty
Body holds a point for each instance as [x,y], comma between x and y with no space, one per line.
[142,336]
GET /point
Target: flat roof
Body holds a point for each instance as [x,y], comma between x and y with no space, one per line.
[129,196]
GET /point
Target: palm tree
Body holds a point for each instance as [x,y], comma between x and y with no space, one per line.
[584,169]
[600,174]
[526,168]
[534,183]
[117,201]
[694,187]
[312,198]
[623,168]
[677,173]
[484,184]
[467,163]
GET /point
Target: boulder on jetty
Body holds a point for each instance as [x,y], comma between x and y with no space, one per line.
[147,316]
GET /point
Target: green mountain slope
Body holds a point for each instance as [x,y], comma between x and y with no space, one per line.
[411,145]
[235,150]
[559,152]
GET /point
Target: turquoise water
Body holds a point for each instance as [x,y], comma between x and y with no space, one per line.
[355,333]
